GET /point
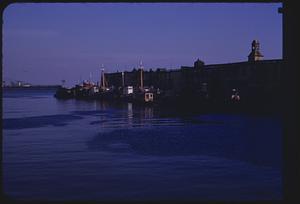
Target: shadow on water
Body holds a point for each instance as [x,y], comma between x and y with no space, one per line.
[166,132]
[260,148]
[38,121]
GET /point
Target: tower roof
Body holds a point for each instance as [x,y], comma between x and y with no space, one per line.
[255,54]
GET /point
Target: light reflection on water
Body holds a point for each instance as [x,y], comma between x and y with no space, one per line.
[72,149]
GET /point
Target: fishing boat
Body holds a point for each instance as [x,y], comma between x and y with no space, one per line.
[105,92]
[127,94]
[63,93]
[144,94]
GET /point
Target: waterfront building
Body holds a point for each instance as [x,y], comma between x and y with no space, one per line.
[255,79]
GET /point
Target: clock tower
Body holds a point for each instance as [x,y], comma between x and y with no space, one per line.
[255,54]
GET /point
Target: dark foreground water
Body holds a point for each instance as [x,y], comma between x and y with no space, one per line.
[88,150]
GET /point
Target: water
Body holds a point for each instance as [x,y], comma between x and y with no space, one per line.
[88,150]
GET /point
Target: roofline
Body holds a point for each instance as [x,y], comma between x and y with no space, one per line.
[211,65]
[245,62]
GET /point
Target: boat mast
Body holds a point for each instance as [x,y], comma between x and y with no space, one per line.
[102,77]
[141,75]
[123,81]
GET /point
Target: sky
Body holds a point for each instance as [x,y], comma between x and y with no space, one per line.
[46,43]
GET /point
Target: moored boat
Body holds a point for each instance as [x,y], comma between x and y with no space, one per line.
[63,93]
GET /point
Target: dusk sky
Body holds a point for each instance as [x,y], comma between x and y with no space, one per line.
[45,43]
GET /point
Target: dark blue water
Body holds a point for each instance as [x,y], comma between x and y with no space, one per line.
[88,150]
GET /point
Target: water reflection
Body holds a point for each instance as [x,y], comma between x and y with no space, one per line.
[102,105]
[148,111]
[129,114]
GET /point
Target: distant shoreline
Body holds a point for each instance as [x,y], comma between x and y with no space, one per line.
[32,87]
